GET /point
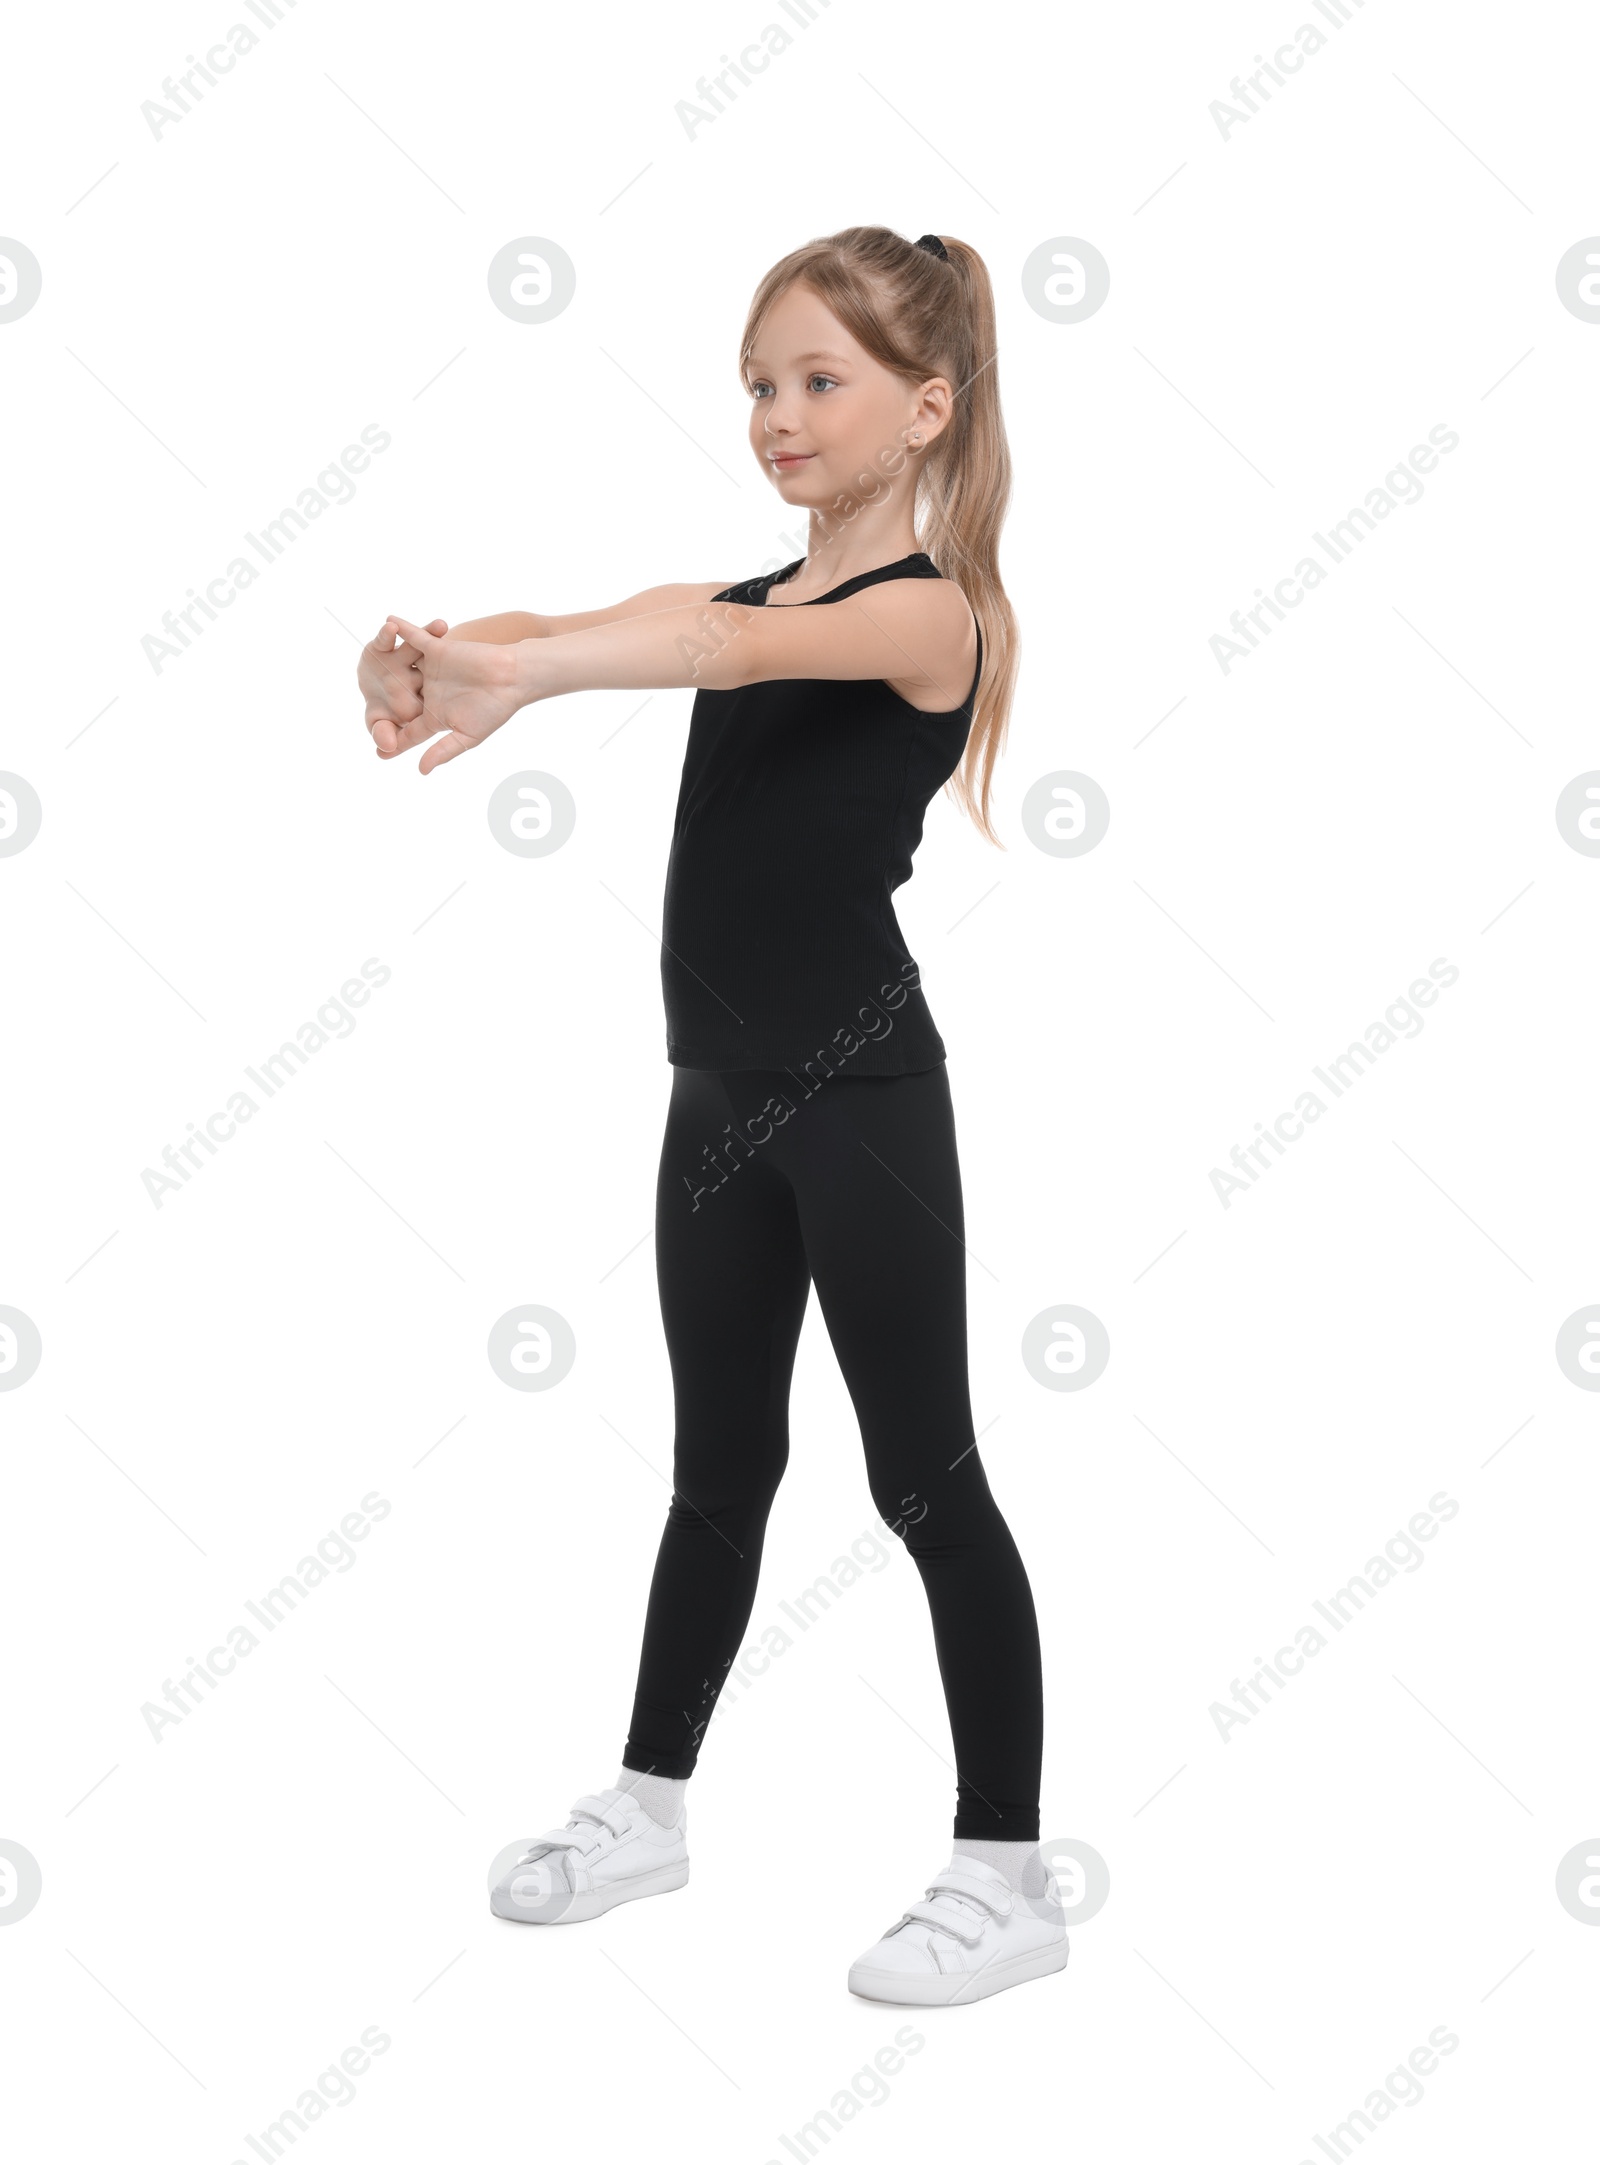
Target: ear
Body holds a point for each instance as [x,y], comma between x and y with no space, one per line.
[936,410]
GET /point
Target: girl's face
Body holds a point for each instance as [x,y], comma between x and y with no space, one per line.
[824,415]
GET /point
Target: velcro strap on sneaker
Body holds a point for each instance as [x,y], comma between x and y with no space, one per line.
[616,1815]
[1000,1900]
[969,1930]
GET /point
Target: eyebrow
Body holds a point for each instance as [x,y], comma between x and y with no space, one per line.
[755,360]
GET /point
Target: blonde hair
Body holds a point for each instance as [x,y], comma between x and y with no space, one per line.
[921,317]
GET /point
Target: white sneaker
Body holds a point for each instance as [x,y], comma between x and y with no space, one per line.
[973,1935]
[609,1851]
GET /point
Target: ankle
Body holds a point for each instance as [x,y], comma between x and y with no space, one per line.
[659,1795]
[1006,1857]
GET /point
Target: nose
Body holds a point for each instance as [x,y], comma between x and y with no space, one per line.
[778,422]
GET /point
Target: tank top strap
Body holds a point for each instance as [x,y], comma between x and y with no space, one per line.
[919,565]
[752,593]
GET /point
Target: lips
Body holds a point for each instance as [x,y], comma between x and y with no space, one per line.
[790,458]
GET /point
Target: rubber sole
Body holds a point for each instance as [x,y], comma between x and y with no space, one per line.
[899,1989]
[597,1900]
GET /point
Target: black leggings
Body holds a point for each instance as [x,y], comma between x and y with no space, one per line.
[768,1180]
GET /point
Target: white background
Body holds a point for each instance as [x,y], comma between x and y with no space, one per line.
[1291,309]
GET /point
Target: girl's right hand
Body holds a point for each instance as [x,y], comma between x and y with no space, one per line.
[469,689]
[389,675]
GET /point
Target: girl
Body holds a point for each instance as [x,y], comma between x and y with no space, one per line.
[810,1136]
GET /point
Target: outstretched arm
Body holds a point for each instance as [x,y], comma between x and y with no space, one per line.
[389,669]
[513,625]
[916,634]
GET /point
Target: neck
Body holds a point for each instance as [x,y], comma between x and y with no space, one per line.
[836,552]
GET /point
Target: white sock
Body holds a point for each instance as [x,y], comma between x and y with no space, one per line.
[1007,1857]
[658,1793]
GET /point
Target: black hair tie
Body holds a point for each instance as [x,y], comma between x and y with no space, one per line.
[934,246]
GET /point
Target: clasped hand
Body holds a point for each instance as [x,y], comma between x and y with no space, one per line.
[417,683]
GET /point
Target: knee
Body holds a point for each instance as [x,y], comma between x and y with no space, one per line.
[728,1484]
[901,1513]
[952,1520]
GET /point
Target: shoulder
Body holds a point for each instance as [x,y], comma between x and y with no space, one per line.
[916,634]
[932,624]
[929,600]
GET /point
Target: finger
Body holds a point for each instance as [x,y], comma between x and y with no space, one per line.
[424,641]
[417,730]
[411,655]
[387,726]
[449,746]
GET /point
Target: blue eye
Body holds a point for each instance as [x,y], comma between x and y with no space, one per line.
[763,388]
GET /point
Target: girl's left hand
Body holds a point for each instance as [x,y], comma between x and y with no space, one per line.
[468,689]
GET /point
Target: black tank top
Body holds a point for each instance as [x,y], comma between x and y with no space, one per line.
[801,804]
